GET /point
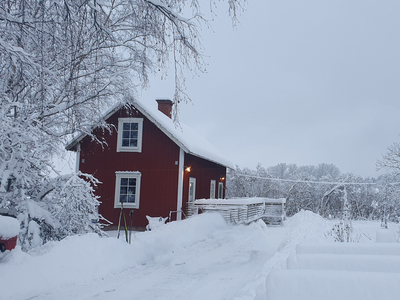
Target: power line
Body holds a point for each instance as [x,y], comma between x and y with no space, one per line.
[317,182]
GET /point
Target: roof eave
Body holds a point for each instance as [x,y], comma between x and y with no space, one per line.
[230,166]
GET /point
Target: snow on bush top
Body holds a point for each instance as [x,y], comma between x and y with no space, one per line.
[9,227]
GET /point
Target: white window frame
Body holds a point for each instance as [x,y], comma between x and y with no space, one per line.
[213,185]
[192,180]
[138,148]
[118,176]
[221,188]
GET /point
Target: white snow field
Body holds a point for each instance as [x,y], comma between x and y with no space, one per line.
[198,258]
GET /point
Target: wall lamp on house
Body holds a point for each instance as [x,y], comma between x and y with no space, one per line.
[188,169]
[221,178]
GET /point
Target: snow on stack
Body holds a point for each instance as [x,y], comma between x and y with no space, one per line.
[338,271]
[242,210]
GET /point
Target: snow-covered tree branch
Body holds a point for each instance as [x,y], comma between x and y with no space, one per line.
[62,64]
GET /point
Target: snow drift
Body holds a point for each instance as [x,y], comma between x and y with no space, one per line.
[349,248]
[367,263]
[332,285]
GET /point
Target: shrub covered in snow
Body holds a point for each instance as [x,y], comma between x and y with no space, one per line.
[62,206]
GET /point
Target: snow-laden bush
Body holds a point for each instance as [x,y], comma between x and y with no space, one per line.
[77,206]
[65,206]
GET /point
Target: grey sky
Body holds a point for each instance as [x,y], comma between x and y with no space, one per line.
[300,82]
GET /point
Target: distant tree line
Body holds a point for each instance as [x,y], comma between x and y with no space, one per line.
[320,189]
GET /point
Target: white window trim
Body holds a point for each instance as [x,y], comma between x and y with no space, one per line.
[192,180]
[213,185]
[118,176]
[219,186]
[120,148]
[181,176]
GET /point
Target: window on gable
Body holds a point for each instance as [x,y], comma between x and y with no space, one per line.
[130,135]
[127,189]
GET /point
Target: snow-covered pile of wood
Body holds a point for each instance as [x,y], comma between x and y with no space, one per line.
[241,210]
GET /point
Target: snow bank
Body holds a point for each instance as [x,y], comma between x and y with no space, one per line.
[332,285]
[368,263]
[9,227]
[78,259]
[385,236]
[349,248]
[305,226]
[323,269]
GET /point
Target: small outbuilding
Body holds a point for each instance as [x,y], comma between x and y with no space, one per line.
[150,164]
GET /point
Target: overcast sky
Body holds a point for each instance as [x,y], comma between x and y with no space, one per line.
[302,82]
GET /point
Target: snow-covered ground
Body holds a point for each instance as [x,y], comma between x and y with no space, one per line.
[199,258]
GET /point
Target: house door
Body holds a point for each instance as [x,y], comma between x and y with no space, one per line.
[192,189]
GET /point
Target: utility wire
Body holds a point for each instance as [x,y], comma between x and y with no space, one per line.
[317,182]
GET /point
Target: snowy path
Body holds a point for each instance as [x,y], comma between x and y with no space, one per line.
[217,268]
[198,258]
[201,258]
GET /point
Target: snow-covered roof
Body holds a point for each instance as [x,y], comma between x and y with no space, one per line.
[185,137]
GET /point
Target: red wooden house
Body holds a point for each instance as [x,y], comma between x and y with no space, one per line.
[149,163]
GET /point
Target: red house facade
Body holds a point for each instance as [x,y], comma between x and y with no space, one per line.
[150,164]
